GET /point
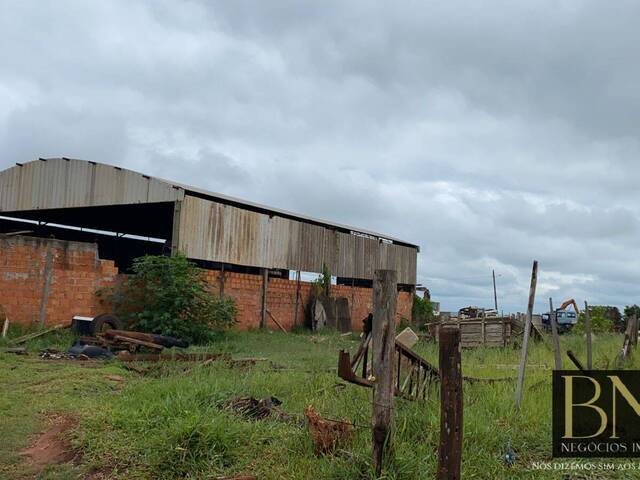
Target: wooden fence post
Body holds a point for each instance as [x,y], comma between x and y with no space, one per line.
[554,335]
[450,450]
[385,293]
[527,332]
[587,331]
[263,300]
[634,330]
[295,315]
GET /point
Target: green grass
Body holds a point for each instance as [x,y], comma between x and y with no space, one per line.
[167,424]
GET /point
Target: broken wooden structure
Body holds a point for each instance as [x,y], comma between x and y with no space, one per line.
[412,373]
[476,332]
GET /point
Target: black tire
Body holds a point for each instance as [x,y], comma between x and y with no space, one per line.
[105,322]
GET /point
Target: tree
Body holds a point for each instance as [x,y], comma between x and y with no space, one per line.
[602,319]
[170,296]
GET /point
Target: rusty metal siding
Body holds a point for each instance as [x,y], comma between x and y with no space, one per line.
[59,183]
[223,233]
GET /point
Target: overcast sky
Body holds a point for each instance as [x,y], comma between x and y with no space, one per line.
[489,133]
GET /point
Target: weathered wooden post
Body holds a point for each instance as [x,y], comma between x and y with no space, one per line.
[554,335]
[385,292]
[587,331]
[263,300]
[450,450]
[295,314]
[527,332]
[634,330]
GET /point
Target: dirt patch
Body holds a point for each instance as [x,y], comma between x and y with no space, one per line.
[52,445]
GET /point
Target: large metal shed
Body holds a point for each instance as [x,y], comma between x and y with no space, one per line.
[204,225]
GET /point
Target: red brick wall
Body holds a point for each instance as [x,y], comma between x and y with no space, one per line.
[281,299]
[76,273]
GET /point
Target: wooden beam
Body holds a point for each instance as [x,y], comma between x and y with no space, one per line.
[295,313]
[30,336]
[175,228]
[46,285]
[587,331]
[527,332]
[554,336]
[575,360]
[277,322]
[385,293]
[136,341]
[263,300]
[451,424]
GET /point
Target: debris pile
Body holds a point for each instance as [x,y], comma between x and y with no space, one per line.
[328,435]
[253,409]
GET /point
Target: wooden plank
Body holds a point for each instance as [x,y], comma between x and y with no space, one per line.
[527,332]
[383,338]
[277,322]
[46,285]
[587,331]
[5,327]
[451,422]
[555,340]
[30,336]
[575,360]
[295,314]
[135,341]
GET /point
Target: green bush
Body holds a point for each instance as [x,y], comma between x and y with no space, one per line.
[422,311]
[600,320]
[170,296]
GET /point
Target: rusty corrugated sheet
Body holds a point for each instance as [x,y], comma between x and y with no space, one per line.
[224,233]
[59,183]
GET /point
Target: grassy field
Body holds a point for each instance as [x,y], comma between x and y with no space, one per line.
[166,423]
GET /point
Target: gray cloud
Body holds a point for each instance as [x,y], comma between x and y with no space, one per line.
[490,135]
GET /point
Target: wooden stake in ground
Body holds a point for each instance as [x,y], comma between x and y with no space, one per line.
[450,450]
[385,292]
[634,330]
[554,335]
[587,331]
[527,332]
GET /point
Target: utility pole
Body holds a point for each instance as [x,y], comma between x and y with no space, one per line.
[495,295]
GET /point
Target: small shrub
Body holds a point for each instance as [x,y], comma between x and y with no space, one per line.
[422,311]
[322,284]
[170,296]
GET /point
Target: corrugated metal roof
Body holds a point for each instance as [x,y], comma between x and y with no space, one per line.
[57,186]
